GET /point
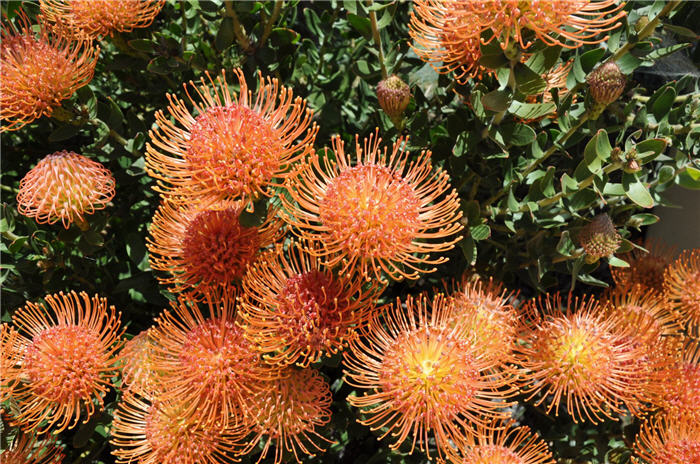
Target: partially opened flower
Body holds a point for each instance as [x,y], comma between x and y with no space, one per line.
[204,245]
[137,363]
[67,360]
[297,310]
[682,288]
[287,413]
[576,354]
[233,146]
[421,379]
[64,186]
[39,70]
[668,440]
[150,430]
[26,448]
[375,212]
[102,17]
[645,268]
[599,238]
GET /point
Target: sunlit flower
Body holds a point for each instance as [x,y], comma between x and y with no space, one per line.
[204,245]
[682,288]
[68,360]
[27,449]
[151,431]
[205,362]
[39,70]
[286,413]
[383,213]
[668,440]
[645,269]
[586,359]
[10,356]
[235,145]
[422,377]
[137,363]
[102,17]
[297,310]
[64,186]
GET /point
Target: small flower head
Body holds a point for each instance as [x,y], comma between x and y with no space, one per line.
[599,238]
[606,83]
[137,360]
[39,70]
[676,386]
[380,214]
[422,377]
[645,268]
[99,18]
[287,411]
[67,360]
[204,245]
[394,96]
[296,310]
[64,186]
[586,359]
[27,449]
[234,146]
[668,440]
[682,288]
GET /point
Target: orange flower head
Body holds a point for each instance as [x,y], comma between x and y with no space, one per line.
[587,359]
[39,70]
[668,440]
[137,359]
[150,431]
[297,310]
[234,146]
[287,411]
[100,18]
[64,186]
[26,449]
[67,360]
[682,288]
[676,386]
[10,357]
[423,376]
[205,363]
[645,268]
[384,214]
[204,245]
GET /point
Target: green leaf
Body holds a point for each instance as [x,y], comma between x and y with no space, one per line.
[661,52]
[643,219]
[63,132]
[565,246]
[637,191]
[617,262]
[662,102]
[515,134]
[666,174]
[543,61]
[142,45]
[468,247]
[496,100]
[650,149]
[480,232]
[362,25]
[590,59]
[597,151]
[492,56]
[681,31]
[568,184]
[531,110]
[628,63]
[528,81]
[690,178]
[225,36]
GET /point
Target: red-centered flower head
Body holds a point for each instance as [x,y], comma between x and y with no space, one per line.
[204,362]
[204,245]
[645,268]
[99,18]
[39,70]
[682,288]
[297,310]
[286,413]
[151,430]
[599,238]
[10,357]
[27,449]
[668,440]
[67,360]
[586,359]
[422,377]
[137,363]
[235,145]
[64,186]
[379,214]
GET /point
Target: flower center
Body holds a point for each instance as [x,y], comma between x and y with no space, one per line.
[171,439]
[677,451]
[492,454]
[578,354]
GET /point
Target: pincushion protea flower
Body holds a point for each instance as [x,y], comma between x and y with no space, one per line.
[27,449]
[423,377]
[204,245]
[668,440]
[64,186]
[10,356]
[645,268]
[394,96]
[682,288]
[380,214]
[676,386]
[151,430]
[599,238]
[235,146]
[286,413]
[586,359]
[39,70]
[205,363]
[297,310]
[67,360]
[137,363]
[100,18]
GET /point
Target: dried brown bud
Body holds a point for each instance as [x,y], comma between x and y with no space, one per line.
[599,238]
[606,83]
[394,96]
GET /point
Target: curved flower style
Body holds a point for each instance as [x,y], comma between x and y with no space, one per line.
[586,359]
[382,214]
[668,440]
[10,357]
[26,449]
[682,288]
[100,18]
[137,360]
[64,186]
[205,363]
[424,377]
[68,360]
[150,431]
[297,310]
[287,411]
[645,269]
[676,386]
[39,70]
[236,146]
[204,245]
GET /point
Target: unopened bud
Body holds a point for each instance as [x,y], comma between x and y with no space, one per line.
[641,24]
[632,166]
[394,96]
[599,238]
[606,83]
[616,154]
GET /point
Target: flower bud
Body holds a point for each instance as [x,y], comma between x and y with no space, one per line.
[606,83]
[394,96]
[599,238]
[632,166]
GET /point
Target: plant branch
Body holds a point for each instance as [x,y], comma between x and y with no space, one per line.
[276,10]
[377,39]
[238,29]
